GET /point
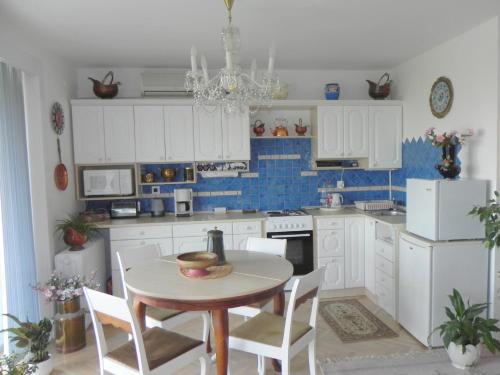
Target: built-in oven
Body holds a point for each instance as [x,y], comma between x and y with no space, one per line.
[299,250]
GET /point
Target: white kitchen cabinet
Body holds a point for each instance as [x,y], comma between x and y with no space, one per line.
[179,145]
[149,133]
[188,244]
[119,137]
[236,136]
[354,252]
[356,131]
[207,135]
[385,136]
[370,255]
[334,272]
[330,134]
[330,243]
[88,134]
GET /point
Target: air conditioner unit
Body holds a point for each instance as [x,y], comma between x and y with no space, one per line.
[163,84]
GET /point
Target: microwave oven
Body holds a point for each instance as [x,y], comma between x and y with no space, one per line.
[108,182]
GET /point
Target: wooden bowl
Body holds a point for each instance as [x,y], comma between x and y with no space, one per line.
[197,262]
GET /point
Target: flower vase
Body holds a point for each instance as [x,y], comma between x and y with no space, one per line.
[69,323]
[448,167]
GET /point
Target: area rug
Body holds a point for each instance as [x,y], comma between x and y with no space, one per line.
[353,322]
[435,362]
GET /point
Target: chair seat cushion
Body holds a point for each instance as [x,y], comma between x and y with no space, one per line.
[267,328]
[161,314]
[160,345]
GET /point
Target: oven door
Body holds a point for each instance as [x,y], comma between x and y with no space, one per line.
[299,250]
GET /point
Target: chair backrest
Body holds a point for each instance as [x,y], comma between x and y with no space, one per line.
[129,257]
[104,307]
[305,288]
[267,245]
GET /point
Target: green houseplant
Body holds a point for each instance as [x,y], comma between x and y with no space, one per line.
[490,216]
[9,365]
[76,230]
[465,330]
[35,338]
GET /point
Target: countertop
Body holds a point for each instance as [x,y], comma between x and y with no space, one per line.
[172,219]
[399,220]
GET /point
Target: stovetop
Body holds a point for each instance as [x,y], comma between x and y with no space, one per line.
[282,213]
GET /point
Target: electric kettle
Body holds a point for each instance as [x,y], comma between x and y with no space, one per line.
[336,201]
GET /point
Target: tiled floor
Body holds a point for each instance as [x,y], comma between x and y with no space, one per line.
[84,362]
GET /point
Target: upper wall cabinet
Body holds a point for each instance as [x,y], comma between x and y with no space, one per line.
[103,135]
[236,136]
[179,144]
[386,128]
[330,132]
[356,131]
[149,134]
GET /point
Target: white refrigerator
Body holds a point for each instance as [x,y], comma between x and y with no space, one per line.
[428,272]
[439,209]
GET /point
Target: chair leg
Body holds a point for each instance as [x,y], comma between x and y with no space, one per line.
[206,331]
[261,365]
[312,357]
[285,366]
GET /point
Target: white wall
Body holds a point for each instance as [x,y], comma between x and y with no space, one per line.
[48,79]
[303,84]
[471,61]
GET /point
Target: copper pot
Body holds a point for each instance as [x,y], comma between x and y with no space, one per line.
[259,128]
[69,323]
[280,131]
[105,90]
[74,239]
[300,129]
[168,174]
[148,177]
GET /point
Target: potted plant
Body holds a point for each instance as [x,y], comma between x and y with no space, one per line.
[465,331]
[9,365]
[76,230]
[489,215]
[69,320]
[35,338]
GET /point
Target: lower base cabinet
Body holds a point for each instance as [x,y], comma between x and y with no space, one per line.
[240,241]
[187,244]
[334,272]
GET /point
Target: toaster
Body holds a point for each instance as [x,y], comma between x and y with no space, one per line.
[124,209]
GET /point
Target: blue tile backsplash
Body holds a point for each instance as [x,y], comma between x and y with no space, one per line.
[279,184]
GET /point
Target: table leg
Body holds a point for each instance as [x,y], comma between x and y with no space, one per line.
[279,309]
[140,313]
[221,332]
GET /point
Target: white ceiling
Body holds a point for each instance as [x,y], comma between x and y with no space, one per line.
[308,34]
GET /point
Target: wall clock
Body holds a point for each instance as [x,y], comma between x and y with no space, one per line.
[441,97]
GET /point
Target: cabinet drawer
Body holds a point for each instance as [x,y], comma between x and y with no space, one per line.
[196,230]
[137,233]
[336,223]
[386,299]
[330,243]
[165,244]
[384,265]
[384,249]
[383,279]
[244,227]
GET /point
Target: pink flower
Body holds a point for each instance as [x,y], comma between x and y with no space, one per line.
[440,138]
[430,131]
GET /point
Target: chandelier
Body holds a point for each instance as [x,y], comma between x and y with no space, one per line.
[231,88]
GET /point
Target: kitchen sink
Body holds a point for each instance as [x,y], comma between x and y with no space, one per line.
[389,213]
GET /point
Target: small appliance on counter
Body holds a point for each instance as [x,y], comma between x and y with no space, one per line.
[157,207]
[183,202]
[124,209]
[439,209]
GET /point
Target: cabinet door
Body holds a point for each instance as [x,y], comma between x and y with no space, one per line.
[330,132]
[187,244]
[356,131]
[207,135]
[334,272]
[355,252]
[149,134]
[88,134]
[415,289]
[385,137]
[179,144]
[119,134]
[165,245]
[330,243]
[370,255]
[236,136]
[240,240]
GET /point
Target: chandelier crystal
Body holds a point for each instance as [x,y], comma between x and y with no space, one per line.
[231,88]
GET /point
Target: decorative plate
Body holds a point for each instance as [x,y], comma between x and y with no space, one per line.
[57,117]
[441,97]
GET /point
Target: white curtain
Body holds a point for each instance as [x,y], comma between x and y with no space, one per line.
[17,227]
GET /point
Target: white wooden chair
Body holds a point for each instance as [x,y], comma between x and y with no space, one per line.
[262,245]
[273,336]
[157,317]
[156,351]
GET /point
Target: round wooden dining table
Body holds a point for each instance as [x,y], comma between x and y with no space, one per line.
[255,277]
